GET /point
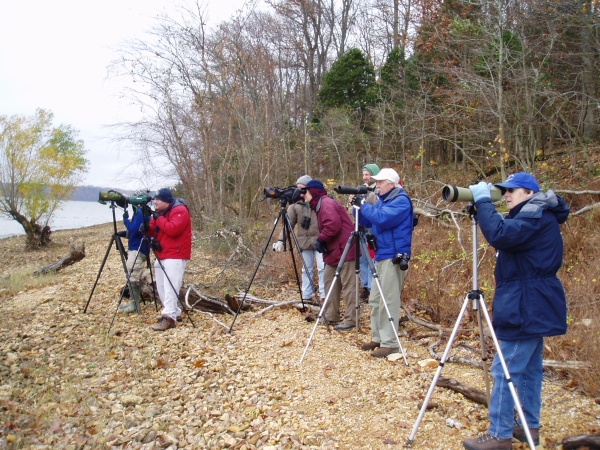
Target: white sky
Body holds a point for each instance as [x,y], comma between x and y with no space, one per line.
[54,55]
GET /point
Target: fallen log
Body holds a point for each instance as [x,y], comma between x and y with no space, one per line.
[77,253]
[590,441]
[470,392]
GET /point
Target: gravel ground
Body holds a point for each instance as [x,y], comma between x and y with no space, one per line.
[66,383]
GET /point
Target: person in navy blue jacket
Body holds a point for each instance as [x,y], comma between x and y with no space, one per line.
[391,223]
[137,252]
[529,302]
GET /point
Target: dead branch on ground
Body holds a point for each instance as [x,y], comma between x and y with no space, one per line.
[77,253]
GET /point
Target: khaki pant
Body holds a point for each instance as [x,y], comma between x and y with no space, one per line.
[391,280]
[135,272]
[344,285]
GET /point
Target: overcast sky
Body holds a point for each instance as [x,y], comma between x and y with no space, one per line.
[54,55]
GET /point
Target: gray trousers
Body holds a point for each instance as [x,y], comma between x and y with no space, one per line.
[391,279]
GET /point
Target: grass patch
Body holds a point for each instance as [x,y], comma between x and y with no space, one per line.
[21,280]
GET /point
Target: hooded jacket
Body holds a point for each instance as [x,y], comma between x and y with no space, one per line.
[173,231]
[529,300]
[335,228]
[391,222]
[133,232]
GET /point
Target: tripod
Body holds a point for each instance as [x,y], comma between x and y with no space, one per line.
[116,239]
[476,296]
[357,237]
[288,234]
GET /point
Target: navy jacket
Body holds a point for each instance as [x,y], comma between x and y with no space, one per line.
[391,222]
[133,231]
[529,300]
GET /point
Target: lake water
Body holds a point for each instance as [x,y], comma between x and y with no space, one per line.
[72,215]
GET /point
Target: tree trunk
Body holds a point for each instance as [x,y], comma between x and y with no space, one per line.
[36,235]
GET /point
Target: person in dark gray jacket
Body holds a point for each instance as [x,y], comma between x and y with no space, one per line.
[529,301]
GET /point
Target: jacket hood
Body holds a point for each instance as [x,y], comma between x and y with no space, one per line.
[545,201]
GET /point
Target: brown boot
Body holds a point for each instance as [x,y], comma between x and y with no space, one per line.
[382,352]
[370,346]
[163,324]
[488,442]
[519,434]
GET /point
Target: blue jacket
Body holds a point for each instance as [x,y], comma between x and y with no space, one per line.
[133,231]
[529,300]
[391,222]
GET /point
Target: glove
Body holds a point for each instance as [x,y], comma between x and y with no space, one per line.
[481,191]
[358,200]
[155,214]
[125,214]
[122,233]
[320,247]
[143,229]
[278,246]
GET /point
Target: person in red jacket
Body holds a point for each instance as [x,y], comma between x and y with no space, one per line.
[171,230]
[335,228]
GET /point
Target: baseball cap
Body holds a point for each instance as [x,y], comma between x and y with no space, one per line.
[387,174]
[519,180]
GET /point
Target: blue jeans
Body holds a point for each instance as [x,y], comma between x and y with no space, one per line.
[366,277]
[309,257]
[524,362]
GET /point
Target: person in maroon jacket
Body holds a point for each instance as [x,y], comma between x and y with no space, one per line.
[171,230]
[335,228]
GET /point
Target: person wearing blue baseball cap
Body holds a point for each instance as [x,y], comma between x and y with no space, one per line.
[529,301]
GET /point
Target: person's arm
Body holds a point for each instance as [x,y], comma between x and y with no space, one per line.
[388,214]
[178,220]
[331,222]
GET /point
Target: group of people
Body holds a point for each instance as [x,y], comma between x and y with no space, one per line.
[168,230]
[529,302]
[385,212]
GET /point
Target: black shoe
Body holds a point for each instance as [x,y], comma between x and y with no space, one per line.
[519,434]
[344,327]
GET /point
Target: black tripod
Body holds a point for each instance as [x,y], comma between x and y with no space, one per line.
[288,234]
[476,296]
[116,240]
[358,237]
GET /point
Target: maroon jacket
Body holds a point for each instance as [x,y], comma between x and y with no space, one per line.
[173,230]
[335,228]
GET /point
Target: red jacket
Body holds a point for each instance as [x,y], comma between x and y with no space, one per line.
[335,228]
[173,231]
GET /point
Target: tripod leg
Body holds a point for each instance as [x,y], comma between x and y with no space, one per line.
[438,371]
[264,250]
[112,239]
[335,278]
[486,372]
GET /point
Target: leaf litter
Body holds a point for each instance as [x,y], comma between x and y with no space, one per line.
[66,383]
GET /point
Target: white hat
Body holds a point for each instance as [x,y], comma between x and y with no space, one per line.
[387,174]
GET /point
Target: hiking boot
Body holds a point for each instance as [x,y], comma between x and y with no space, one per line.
[163,324]
[519,434]
[370,346]
[344,327]
[487,442]
[364,293]
[382,352]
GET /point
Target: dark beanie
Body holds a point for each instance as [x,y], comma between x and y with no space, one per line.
[164,194]
[315,184]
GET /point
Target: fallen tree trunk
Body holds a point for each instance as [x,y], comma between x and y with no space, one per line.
[470,392]
[591,441]
[77,253]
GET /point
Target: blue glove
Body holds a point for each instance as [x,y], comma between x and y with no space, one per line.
[481,191]
[320,247]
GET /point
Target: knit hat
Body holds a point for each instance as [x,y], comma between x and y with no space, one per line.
[387,174]
[372,168]
[304,179]
[164,194]
[519,180]
[315,184]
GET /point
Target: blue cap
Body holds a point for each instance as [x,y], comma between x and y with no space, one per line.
[519,180]
[164,194]
[315,184]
